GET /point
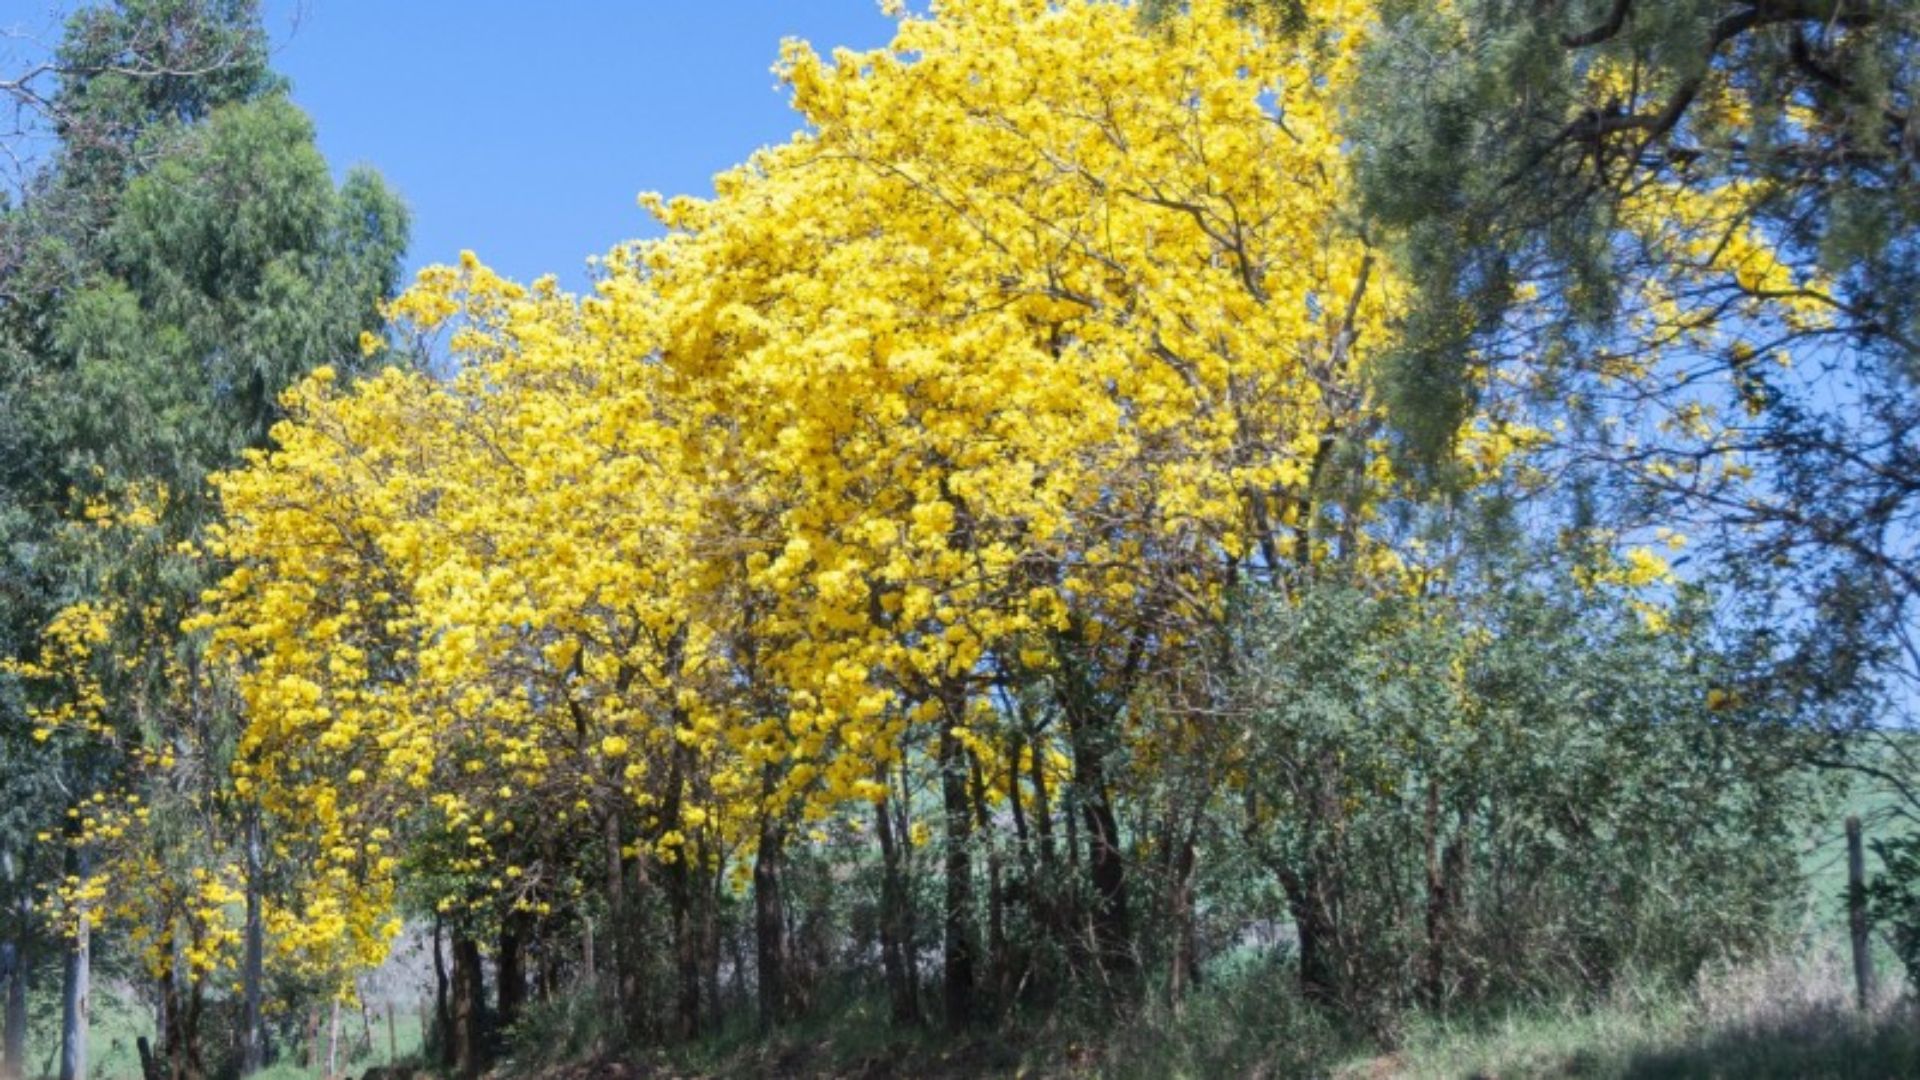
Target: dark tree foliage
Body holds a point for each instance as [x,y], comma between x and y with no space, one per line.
[1498,145]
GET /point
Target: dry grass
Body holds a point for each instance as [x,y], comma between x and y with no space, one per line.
[1788,1015]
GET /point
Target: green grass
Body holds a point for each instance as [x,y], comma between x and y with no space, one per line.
[1785,1017]
[114,1026]
[1654,1040]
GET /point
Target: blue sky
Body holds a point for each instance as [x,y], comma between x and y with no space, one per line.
[524,132]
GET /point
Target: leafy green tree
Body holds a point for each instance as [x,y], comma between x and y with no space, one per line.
[1682,236]
[1506,789]
[183,256]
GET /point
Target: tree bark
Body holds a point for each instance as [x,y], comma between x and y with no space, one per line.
[997,966]
[1183,970]
[958,977]
[680,885]
[769,915]
[13,1043]
[180,1027]
[1106,863]
[253,1042]
[15,964]
[586,952]
[469,1007]
[442,1002]
[511,994]
[76,993]
[252,967]
[896,937]
[623,940]
[1314,925]
[1433,976]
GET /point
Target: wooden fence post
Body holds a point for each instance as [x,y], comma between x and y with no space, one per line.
[1857,915]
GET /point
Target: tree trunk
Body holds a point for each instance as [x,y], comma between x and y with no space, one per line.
[896,938]
[14,965]
[997,965]
[769,913]
[442,1034]
[680,883]
[13,1043]
[253,1041]
[686,944]
[623,940]
[1183,970]
[196,1066]
[910,904]
[511,968]
[171,1042]
[1314,925]
[1042,809]
[469,1007]
[958,977]
[1106,863]
[76,997]
[586,952]
[1433,976]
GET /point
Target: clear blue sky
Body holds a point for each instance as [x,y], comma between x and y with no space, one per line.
[525,131]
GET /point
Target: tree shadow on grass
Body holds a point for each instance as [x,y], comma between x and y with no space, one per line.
[1813,1043]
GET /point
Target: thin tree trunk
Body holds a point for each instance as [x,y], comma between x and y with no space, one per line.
[958,977]
[623,937]
[586,952]
[193,1063]
[179,1025]
[1182,971]
[710,943]
[1106,863]
[909,906]
[680,898]
[769,913]
[1042,808]
[442,1002]
[15,962]
[686,945]
[76,994]
[997,965]
[13,1043]
[511,968]
[1434,975]
[253,1043]
[896,940]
